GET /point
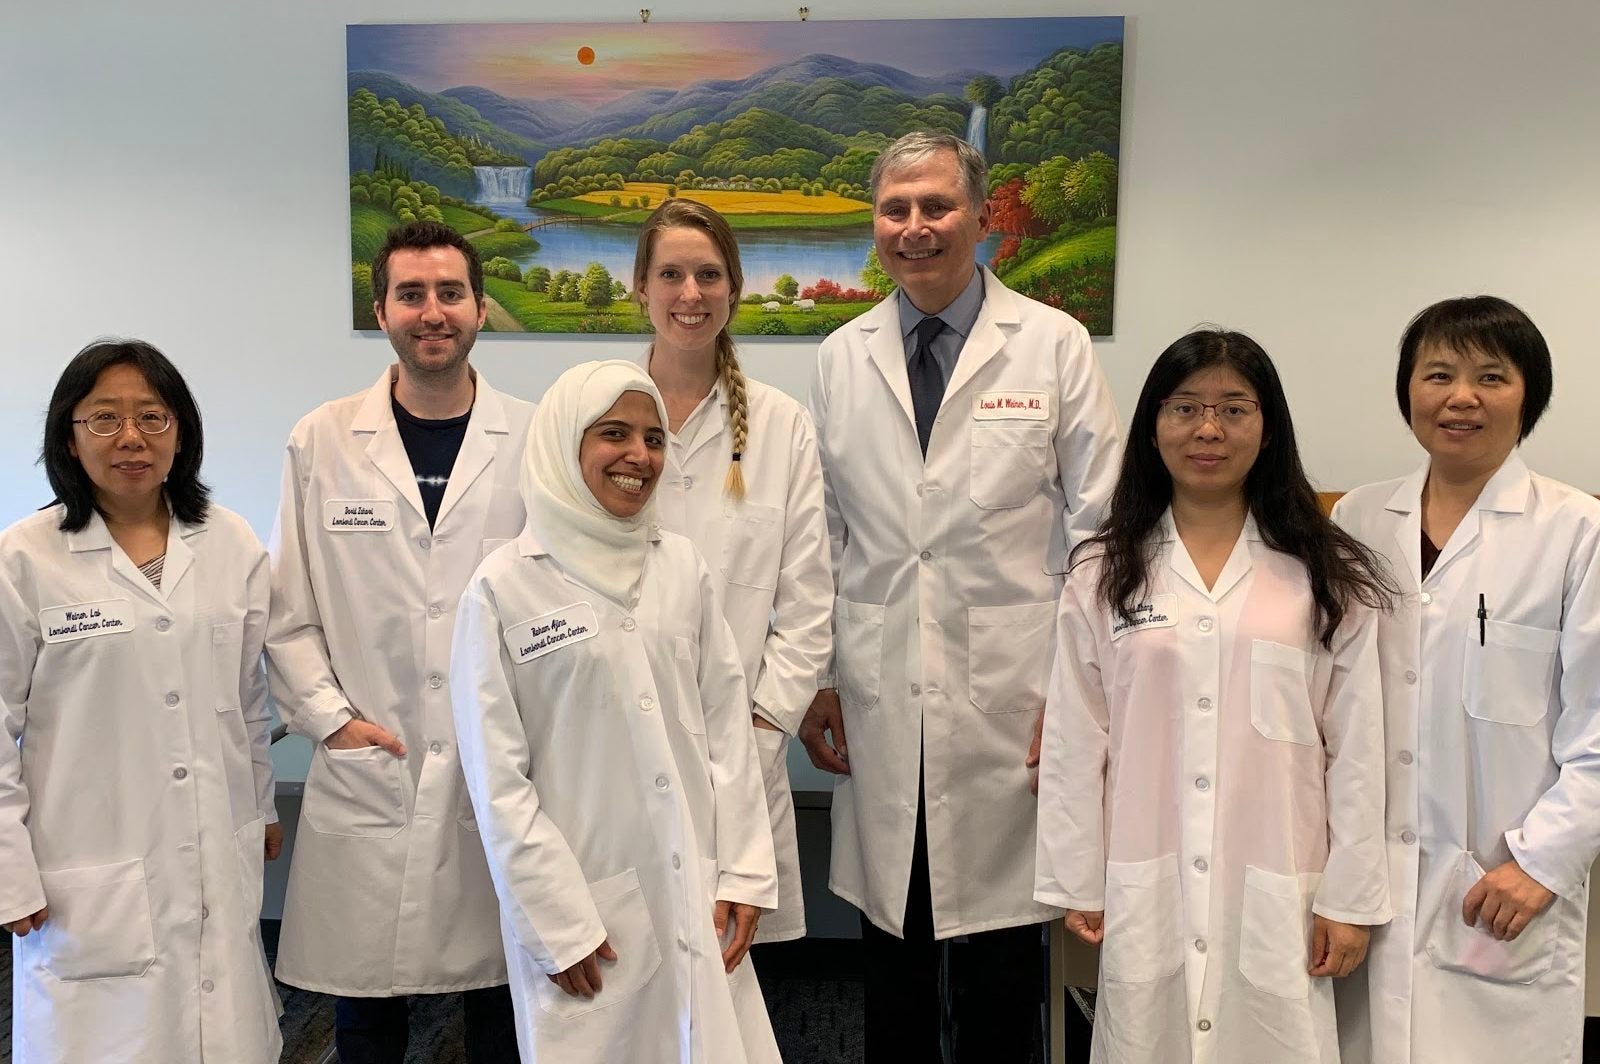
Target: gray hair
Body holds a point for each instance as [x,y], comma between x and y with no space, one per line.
[916,147]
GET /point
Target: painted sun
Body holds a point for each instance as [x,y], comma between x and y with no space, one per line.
[586,55]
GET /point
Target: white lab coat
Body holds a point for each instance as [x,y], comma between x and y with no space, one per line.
[389,893]
[1211,776]
[1494,752]
[768,554]
[618,793]
[948,574]
[136,804]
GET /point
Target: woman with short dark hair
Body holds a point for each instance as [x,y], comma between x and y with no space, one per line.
[1492,705]
[1211,786]
[135,785]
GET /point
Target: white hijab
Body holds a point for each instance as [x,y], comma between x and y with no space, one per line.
[591,544]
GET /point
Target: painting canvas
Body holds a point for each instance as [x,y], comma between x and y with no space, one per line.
[547,144]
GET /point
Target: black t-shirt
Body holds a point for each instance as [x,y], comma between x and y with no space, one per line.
[432,447]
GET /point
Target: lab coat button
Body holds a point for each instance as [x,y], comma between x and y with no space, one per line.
[1205,624]
[180,773]
[1426,597]
[683,945]
[1200,864]
[435,748]
[688,482]
[434,613]
[926,555]
[1204,1025]
[1202,784]
[628,624]
[435,681]
[422,541]
[1199,945]
[208,986]
[647,703]
[1408,837]
[916,689]
[172,698]
[677,862]
[205,912]
[1406,757]
[1204,703]
[921,490]
[662,783]
[1411,676]
[163,624]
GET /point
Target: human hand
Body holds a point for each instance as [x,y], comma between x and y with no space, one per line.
[745,918]
[273,842]
[1032,760]
[1505,901]
[826,716]
[1088,926]
[583,979]
[1337,949]
[31,922]
[356,734]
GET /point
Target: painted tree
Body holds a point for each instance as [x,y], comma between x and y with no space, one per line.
[984,90]
[786,286]
[594,290]
[1010,215]
[1091,185]
[874,276]
[1046,191]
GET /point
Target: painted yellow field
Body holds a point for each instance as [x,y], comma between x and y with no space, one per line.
[736,202]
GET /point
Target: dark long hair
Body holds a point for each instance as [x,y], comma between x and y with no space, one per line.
[187,495]
[1276,491]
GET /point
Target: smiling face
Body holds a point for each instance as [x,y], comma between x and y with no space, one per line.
[429,311]
[686,290]
[927,230]
[622,453]
[1210,456]
[127,469]
[1466,409]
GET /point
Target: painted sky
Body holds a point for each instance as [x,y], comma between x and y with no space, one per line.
[539,60]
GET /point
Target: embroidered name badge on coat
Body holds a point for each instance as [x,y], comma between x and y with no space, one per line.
[551,631]
[63,624]
[1011,406]
[1159,611]
[359,515]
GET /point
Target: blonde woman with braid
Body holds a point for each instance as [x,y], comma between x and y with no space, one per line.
[742,481]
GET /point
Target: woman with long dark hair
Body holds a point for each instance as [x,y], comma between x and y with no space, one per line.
[1492,711]
[1211,789]
[136,794]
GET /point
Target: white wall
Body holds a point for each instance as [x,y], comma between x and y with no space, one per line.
[1310,172]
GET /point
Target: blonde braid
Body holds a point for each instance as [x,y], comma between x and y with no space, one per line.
[738,413]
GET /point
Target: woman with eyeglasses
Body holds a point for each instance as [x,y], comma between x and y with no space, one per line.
[1492,702]
[135,786]
[1211,786]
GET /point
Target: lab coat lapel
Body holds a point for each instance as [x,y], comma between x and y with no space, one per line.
[997,321]
[385,449]
[180,557]
[1240,559]
[1178,559]
[96,536]
[1506,492]
[1406,503]
[887,350]
[484,429]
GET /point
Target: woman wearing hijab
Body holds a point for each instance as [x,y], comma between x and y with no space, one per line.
[1211,790]
[605,735]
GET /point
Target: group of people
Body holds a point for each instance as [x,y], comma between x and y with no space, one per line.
[1321,789]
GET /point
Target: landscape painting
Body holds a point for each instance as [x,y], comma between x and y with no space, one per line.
[548,144]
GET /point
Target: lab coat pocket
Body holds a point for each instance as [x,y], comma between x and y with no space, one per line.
[249,848]
[1008,464]
[1142,941]
[1275,932]
[99,925]
[858,651]
[1507,676]
[631,933]
[686,660]
[753,550]
[355,792]
[1008,655]
[1455,947]
[1280,700]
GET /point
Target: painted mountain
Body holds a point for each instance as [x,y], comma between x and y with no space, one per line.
[548,144]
